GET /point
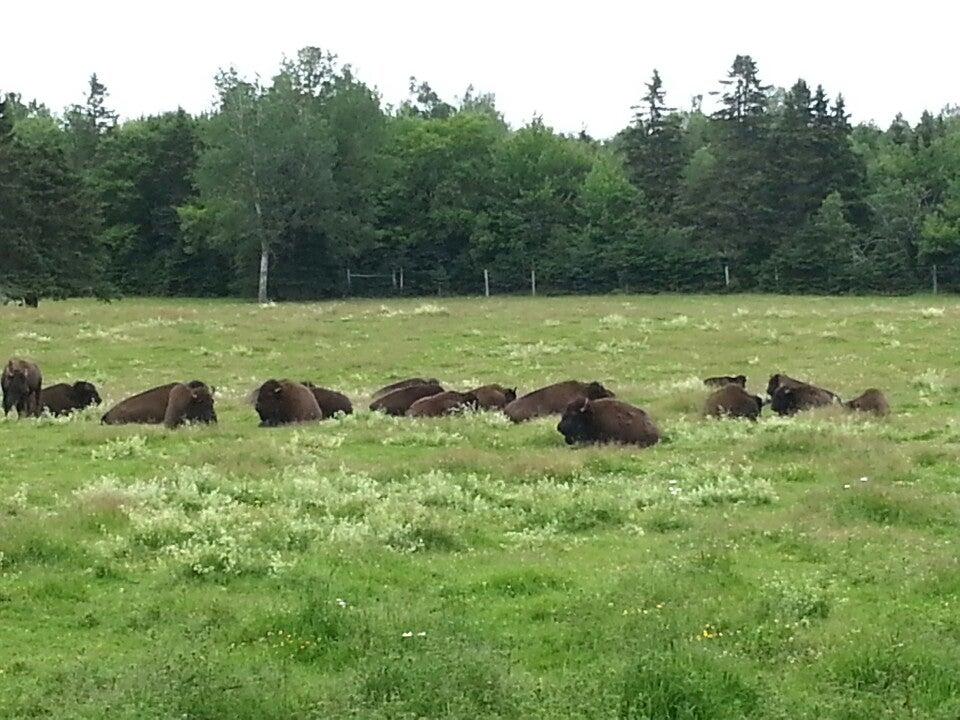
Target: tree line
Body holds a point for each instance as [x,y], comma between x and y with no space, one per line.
[283,186]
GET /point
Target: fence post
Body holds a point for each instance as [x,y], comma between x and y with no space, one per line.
[533,282]
[935,284]
[726,275]
[401,277]
[486,282]
[348,279]
[393,275]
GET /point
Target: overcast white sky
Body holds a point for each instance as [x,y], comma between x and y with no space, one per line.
[578,64]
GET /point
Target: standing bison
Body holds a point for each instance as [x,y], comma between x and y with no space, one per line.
[21,383]
[607,421]
[63,399]
[281,402]
[553,399]
[172,404]
[732,401]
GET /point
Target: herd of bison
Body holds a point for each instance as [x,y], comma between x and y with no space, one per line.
[589,412]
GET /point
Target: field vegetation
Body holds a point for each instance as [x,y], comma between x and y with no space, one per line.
[464,567]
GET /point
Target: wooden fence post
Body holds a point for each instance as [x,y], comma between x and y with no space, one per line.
[726,275]
[533,282]
[486,282]
[935,283]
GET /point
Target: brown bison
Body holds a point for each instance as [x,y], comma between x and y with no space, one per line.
[494,397]
[401,384]
[607,421]
[21,383]
[871,401]
[789,396]
[280,402]
[720,380]
[553,399]
[172,404]
[444,403]
[63,399]
[733,401]
[399,401]
[330,401]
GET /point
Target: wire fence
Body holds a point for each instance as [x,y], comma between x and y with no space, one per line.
[404,281]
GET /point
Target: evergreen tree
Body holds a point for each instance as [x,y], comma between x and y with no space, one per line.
[653,149]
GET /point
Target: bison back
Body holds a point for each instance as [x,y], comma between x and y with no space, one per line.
[549,400]
[871,401]
[400,384]
[148,407]
[58,399]
[399,401]
[444,403]
[330,401]
[620,422]
[732,401]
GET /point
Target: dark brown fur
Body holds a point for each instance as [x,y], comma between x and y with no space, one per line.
[151,406]
[494,397]
[721,380]
[400,400]
[21,383]
[187,403]
[444,403]
[331,402]
[280,402]
[553,399]
[732,401]
[63,399]
[789,396]
[607,421]
[400,384]
[871,401]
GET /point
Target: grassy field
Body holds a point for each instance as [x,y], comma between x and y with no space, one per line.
[371,567]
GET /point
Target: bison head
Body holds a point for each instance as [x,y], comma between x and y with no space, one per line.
[201,404]
[269,402]
[596,391]
[510,394]
[576,425]
[85,394]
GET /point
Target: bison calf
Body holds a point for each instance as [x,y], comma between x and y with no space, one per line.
[63,399]
[21,383]
[280,402]
[732,401]
[607,421]
[553,399]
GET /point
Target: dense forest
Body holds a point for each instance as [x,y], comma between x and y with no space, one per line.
[285,186]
